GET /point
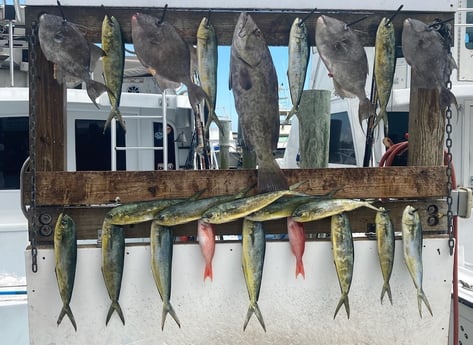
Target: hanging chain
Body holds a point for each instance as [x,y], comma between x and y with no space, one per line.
[33,211]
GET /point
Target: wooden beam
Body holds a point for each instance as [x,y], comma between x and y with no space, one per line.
[275,24]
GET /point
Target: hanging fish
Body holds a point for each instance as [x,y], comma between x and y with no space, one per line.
[386,246]
[412,241]
[295,231]
[253,250]
[384,67]
[65,255]
[64,45]
[343,256]
[298,60]
[345,58]
[206,238]
[161,264]
[113,64]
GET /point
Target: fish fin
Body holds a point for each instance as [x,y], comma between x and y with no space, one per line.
[214,118]
[115,306]
[271,177]
[300,268]
[364,109]
[254,308]
[422,297]
[343,301]
[167,308]
[447,98]
[95,54]
[289,115]
[95,89]
[245,79]
[114,113]
[66,310]
[386,288]
[196,96]
[208,272]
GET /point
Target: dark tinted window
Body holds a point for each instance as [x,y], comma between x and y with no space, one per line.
[341,149]
[93,147]
[14,150]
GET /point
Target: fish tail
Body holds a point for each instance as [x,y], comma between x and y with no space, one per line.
[66,310]
[167,308]
[114,113]
[422,297]
[115,306]
[300,268]
[386,288]
[95,89]
[343,301]
[271,177]
[289,115]
[254,308]
[213,117]
[447,98]
[383,115]
[196,96]
[208,271]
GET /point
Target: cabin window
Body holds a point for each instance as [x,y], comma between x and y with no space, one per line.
[14,149]
[341,150]
[93,147]
[469,30]
[158,142]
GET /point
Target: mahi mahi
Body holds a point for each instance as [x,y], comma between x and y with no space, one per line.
[113,255]
[254,83]
[343,256]
[298,59]
[253,250]
[384,67]
[113,64]
[386,245]
[412,241]
[161,264]
[65,254]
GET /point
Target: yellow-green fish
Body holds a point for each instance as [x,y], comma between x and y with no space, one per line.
[190,210]
[253,250]
[161,242]
[113,65]
[65,254]
[207,60]
[232,210]
[281,208]
[386,246]
[412,241]
[343,256]
[384,67]
[323,208]
[113,255]
[298,59]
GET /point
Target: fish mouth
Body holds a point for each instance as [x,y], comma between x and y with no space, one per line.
[322,20]
[243,20]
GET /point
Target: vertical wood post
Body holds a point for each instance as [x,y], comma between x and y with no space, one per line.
[224,143]
[426,126]
[314,128]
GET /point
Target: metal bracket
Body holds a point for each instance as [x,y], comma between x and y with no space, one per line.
[462,202]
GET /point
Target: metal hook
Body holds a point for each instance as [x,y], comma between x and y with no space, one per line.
[307,16]
[164,13]
[390,19]
[356,21]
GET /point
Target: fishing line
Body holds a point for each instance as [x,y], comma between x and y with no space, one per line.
[60,10]
[356,21]
[307,16]
[390,19]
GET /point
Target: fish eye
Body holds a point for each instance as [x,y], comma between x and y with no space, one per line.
[58,37]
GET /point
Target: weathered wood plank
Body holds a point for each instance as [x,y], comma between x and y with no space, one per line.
[275,24]
[88,188]
[89,221]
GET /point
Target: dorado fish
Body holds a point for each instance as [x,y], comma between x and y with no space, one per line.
[295,231]
[384,67]
[386,244]
[281,208]
[412,241]
[113,64]
[65,254]
[64,45]
[207,60]
[298,49]
[254,83]
[190,210]
[113,255]
[232,210]
[253,250]
[429,55]
[161,49]
[343,256]
[344,56]
[161,264]
[323,208]
[206,238]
